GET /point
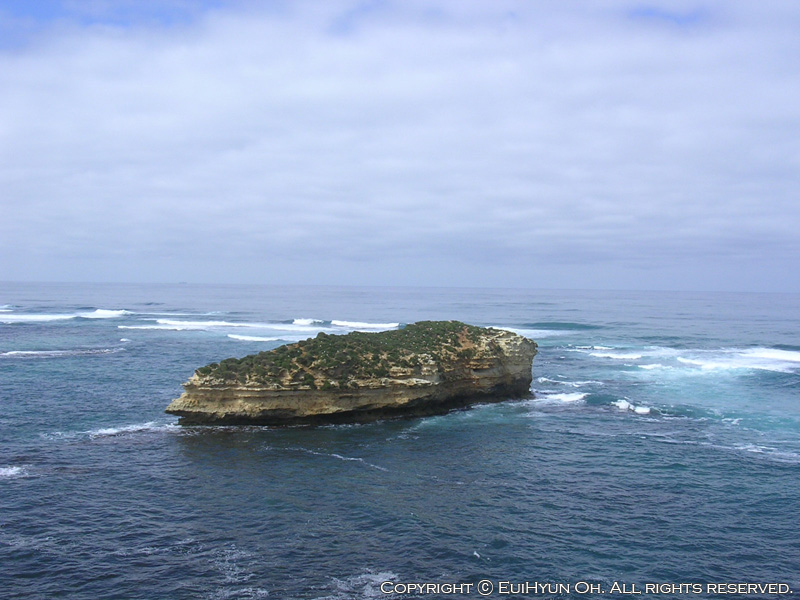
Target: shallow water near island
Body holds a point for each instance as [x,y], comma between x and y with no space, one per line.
[662,445]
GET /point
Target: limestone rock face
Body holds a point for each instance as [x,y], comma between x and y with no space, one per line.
[425,368]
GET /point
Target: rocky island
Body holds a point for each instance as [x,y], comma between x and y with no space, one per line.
[425,368]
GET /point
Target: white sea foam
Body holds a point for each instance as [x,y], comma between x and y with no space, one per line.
[625,405]
[362,325]
[16,318]
[705,364]
[617,355]
[293,327]
[58,353]
[157,327]
[102,313]
[142,551]
[651,352]
[298,327]
[102,432]
[12,472]
[763,359]
[770,452]
[167,313]
[340,457]
[700,360]
[533,334]
[233,593]
[366,585]
[252,338]
[754,448]
[356,459]
[187,325]
[135,428]
[565,397]
[124,340]
[569,383]
[772,354]
[202,324]
[307,322]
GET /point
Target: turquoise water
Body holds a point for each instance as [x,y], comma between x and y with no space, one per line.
[662,445]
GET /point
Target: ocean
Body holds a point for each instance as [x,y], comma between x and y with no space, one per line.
[661,446]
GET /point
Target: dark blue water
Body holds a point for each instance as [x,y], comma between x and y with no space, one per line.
[663,445]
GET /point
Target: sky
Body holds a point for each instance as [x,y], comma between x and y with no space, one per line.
[504,143]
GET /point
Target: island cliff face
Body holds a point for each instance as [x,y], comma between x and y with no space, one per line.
[425,368]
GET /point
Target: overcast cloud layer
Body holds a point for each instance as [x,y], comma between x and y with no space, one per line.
[511,143]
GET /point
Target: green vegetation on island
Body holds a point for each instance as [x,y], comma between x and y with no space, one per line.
[337,361]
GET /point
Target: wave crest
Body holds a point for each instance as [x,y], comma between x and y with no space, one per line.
[12,472]
[363,325]
[307,322]
[102,313]
[58,353]
[253,338]
[628,406]
[562,397]
[33,318]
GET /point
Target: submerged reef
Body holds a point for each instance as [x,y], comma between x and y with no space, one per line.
[425,368]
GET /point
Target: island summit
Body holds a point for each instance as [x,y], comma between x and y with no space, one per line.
[425,368]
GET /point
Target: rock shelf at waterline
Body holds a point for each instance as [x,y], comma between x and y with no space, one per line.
[425,368]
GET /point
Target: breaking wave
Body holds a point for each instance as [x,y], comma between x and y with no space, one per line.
[533,334]
[307,322]
[135,428]
[627,406]
[58,353]
[12,472]
[362,325]
[102,313]
[770,452]
[296,327]
[561,397]
[43,318]
[763,359]
[102,432]
[181,325]
[702,360]
[569,383]
[562,326]
[617,355]
[252,338]
[203,324]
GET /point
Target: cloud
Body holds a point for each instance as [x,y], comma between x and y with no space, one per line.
[623,144]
